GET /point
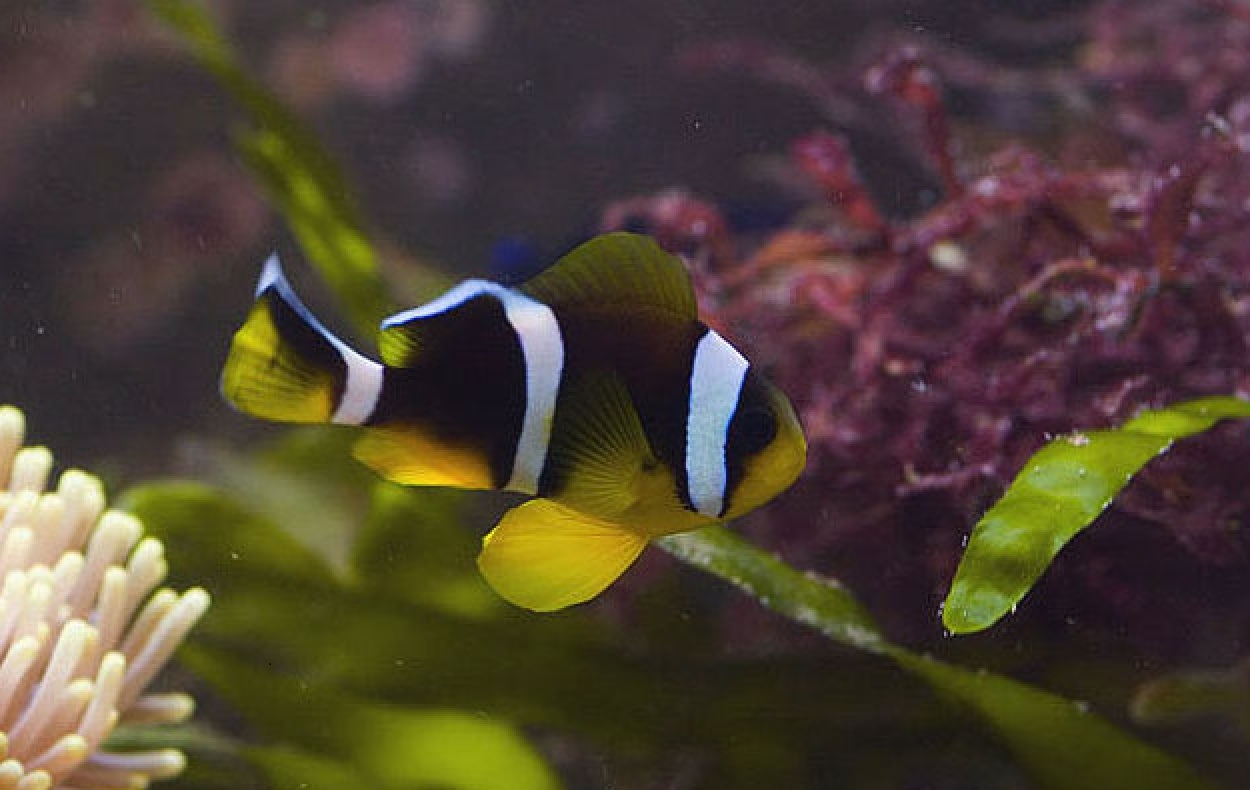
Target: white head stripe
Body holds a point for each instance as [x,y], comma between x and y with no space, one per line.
[542,348]
[715,382]
[364,376]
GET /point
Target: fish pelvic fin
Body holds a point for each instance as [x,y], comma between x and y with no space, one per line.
[544,556]
[285,366]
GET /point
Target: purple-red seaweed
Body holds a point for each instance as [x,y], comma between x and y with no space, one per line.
[1056,284]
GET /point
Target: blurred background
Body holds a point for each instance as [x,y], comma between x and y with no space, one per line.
[130,234]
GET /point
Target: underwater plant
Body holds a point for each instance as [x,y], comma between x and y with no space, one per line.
[1041,284]
[82,633]
[931,354]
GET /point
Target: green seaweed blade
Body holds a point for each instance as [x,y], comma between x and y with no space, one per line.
[820,603]
[1062,490]
[300,178]
[387,745]
[1063,745]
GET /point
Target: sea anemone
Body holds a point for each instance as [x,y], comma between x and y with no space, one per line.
[81,632]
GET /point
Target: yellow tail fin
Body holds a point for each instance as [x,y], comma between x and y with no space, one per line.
[283,364]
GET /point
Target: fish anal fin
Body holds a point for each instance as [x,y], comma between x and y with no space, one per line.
[410,456]
[613,270]
[544,556]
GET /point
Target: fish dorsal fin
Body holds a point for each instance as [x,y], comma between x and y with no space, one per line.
[616,269]
[598,449]
[405,336]
[545,556]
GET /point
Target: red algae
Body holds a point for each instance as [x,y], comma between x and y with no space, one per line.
[1055,285]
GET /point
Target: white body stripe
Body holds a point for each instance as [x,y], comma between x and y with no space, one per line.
[364,385]
[364,376]
[542,348]
[715,382]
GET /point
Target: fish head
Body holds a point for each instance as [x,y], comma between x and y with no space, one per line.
[765,445]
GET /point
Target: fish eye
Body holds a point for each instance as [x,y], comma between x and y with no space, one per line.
[753,429]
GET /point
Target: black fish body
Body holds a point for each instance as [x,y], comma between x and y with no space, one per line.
[593,387]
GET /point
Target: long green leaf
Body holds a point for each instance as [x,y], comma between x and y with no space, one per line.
[822,604]
[277,605]
[1062,489]
[390,745]
[300,177]
[1064,745]
[290,768]
[1196,693]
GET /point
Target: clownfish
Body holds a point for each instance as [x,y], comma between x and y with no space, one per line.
[592,387]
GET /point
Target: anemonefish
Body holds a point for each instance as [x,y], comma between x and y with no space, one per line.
[593,387]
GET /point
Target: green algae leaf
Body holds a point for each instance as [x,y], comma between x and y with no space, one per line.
[1196,693]
[1061,743]
[387,746]
[823,604]
[414,547]
[1062,489]
[300,177]
[382,640]
[288,768]
[306,483]
[402,542]
[196,522]
[282,610]
[214,760]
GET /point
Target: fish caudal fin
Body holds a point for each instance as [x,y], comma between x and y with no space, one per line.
[285,366]
[544,556]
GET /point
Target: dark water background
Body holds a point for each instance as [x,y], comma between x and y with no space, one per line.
[130,235]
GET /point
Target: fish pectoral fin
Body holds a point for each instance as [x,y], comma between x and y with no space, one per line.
[409,456]
[598,448]
[544,556]
[616,269]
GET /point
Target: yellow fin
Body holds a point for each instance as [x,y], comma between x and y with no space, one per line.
[409,456]
[606,466]
[544,556]
[268,376]
[616,269]
[599,448]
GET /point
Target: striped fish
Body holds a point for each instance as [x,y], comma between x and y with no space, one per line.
[592,387]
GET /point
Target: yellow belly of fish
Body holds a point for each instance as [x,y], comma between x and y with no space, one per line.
[410,457]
